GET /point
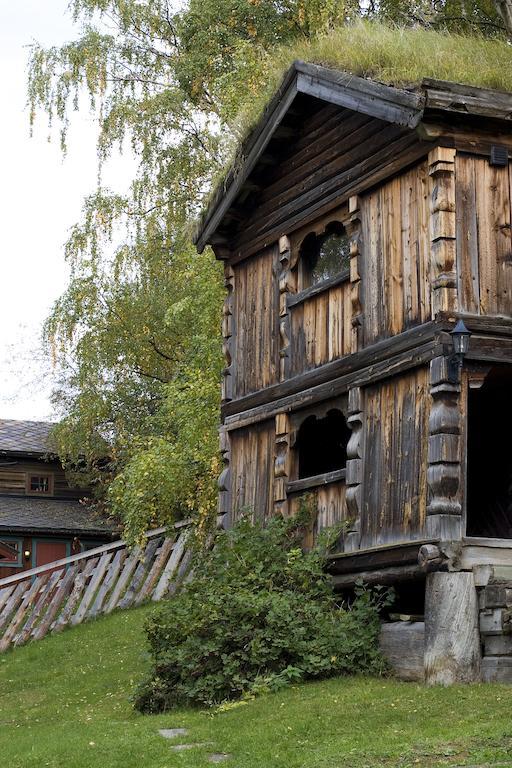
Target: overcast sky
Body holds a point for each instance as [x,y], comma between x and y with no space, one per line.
[40,199]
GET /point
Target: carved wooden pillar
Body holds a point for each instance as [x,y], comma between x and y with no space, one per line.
[444,509]
[281,463]
[227,335]
[286,286]
[354,474]
[353,228]
[225,496]
[443,230]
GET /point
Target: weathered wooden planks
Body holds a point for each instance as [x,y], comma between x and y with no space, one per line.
[52,597]
[396,253]
[484,236]
[255,335]
[395,465]
[252,470]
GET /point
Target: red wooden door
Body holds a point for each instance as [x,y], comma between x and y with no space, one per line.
[48,551]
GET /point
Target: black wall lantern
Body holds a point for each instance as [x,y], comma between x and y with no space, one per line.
[460,340]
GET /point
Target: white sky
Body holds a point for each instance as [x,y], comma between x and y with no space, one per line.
[40,199]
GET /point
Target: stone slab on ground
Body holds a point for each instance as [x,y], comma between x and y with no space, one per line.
[218,757]
[182,747]
[172,733]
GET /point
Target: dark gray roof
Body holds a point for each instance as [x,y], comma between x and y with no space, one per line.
[25,436]
[19,513]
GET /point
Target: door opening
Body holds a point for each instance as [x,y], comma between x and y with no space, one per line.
[489,457]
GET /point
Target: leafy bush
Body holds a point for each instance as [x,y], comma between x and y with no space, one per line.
[257,614]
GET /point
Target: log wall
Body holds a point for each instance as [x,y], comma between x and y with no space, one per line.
[256,323]
[396,255]
[252,470]
[14,477]
[321,329]
[484,236]
[395,428]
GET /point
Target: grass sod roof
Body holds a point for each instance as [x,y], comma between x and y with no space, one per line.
[399,57]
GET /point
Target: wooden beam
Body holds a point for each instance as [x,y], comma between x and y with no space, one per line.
[383,576]
[383,556]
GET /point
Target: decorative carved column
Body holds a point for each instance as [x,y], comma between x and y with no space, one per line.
[281,463]
[224,481]
[354,474]
[353,228]
[227,335]
[444,509]
[443,230]
[286,285]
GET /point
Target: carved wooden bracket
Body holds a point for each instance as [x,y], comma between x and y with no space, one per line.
[443,230]
[281,463]
[444,509]
[224,482]
[354,474]
[227,335]
[287,284]
[353,228]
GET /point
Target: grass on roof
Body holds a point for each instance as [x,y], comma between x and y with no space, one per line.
[393,55]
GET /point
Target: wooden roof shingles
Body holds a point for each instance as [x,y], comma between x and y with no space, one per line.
[31,437]
[27,514]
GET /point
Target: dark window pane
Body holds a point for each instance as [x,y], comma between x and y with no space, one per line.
[322,444]
[325,256]
[332,258]
[40,484]
[10,552]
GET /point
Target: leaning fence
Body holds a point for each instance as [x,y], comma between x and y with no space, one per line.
[69,591]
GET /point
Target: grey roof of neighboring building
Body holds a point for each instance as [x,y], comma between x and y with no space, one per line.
[19,513]
[25,436]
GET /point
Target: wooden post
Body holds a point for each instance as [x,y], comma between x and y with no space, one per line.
[281,463]
[353,228]
[227,334]
[443,230]
[224,481]
[452,639]
[444,508]
[286,286]
[354,467]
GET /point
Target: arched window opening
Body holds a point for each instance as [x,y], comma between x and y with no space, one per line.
[322,444]
[324,256]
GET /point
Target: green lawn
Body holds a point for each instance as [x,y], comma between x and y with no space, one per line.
[65,704]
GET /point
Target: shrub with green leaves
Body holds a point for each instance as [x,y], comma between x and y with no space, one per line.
[258,614]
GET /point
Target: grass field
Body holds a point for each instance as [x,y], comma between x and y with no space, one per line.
[65,703]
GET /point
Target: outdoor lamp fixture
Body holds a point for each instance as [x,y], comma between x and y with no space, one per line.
[460,340]
[27,554]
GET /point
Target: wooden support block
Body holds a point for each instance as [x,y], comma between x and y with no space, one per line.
[497,669]
[496,596]
[498,645]
[403,646]
[496,621]
[452,640]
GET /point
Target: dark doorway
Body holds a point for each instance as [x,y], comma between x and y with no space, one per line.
[489,457]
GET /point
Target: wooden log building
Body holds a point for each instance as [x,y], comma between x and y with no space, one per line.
[360,222]
[42,517]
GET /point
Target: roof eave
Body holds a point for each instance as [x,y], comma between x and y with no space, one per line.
[344,89]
